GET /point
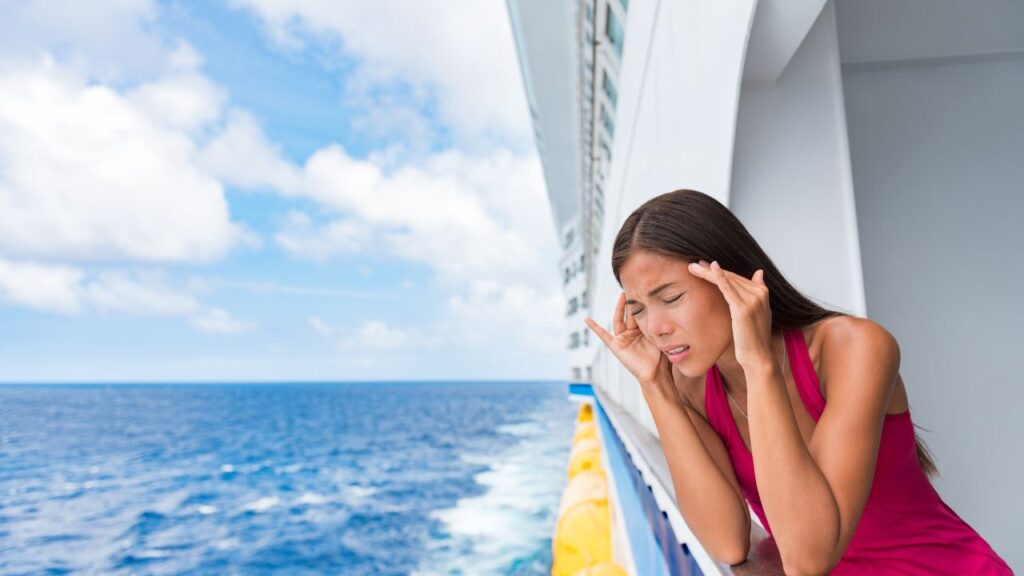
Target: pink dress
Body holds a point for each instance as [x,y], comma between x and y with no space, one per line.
[905,528]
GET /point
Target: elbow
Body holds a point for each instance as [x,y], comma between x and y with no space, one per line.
[731,555]
[732,549]
[806,565]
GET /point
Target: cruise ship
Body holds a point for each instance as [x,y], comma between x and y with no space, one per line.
[875,149]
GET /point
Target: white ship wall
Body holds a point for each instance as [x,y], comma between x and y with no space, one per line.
[791,183]
[936,122]
[554,108]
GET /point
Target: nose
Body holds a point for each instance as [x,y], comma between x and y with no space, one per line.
[658,324]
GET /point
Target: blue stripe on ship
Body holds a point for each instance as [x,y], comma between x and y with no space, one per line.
[656,550]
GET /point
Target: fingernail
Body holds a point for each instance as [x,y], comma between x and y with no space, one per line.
[715,263]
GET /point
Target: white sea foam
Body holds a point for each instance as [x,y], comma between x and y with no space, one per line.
[150,554]
[263,504]
[311,498]
[206,509]
[520,429]
[227,543]
[289,469]
[515,514]
[361,492]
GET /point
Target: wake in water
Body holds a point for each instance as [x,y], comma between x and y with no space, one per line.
[507,529]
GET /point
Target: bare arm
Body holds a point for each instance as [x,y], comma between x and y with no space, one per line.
[707,492]
[815,494]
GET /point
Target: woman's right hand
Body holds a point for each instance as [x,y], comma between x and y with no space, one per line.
[634,350]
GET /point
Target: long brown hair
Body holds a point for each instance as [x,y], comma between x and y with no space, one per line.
[690,225]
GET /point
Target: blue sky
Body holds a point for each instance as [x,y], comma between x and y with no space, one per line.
[244,190]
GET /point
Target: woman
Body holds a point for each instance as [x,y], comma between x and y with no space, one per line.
[746,377]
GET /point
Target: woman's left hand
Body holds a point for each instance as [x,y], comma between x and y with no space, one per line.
[748,306]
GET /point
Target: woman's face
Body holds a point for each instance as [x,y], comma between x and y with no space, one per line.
[683,310]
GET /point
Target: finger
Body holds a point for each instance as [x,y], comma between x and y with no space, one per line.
[618,322]
[727,285]
[739,280]
[600,331]
[746,287]
[717,276]
[630,321]
[754,286]
[759,277]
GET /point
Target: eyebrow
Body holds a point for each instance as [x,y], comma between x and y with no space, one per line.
[653,292]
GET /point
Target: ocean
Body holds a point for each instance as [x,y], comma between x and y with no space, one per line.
[349,478]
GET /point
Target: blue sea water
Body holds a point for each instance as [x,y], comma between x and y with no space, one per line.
[349,478]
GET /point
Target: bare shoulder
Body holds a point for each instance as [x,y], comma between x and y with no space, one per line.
[850,345]
[840,334]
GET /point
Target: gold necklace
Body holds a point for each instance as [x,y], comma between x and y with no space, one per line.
[784,358]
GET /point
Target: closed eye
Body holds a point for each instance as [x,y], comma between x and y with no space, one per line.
[673,299]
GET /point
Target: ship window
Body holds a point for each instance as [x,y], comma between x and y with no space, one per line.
[609,88]
[606,119]
[613,30]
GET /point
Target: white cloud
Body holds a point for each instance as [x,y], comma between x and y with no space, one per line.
[370,336]
[217,320]
[145,294]
[530,317]
[483,223]
[91,174]
[70,290]
[99,121]
[375,334]
[240,155]
[183,99]
[110,40]
[459,56]
[465,216]
[321,327]
[301,238]
[49,288]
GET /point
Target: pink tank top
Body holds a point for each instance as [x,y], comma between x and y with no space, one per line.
[905,528]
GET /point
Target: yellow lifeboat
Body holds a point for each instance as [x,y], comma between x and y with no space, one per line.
[582,544]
